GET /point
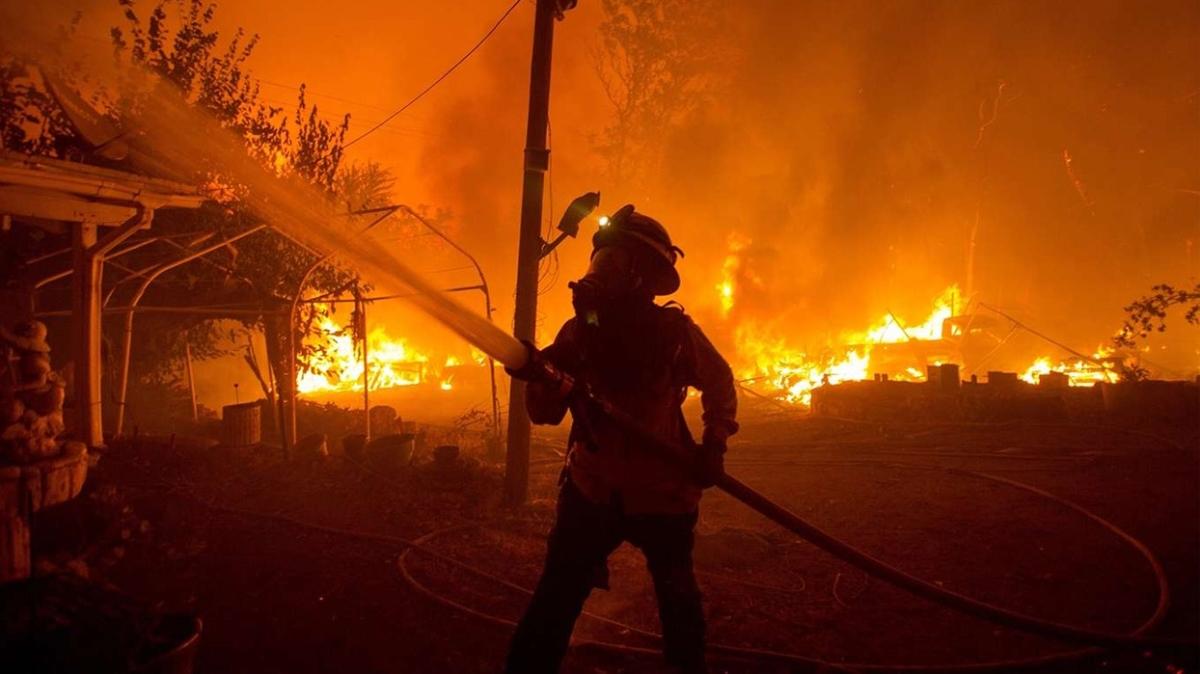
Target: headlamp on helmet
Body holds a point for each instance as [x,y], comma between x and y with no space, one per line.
[647,237]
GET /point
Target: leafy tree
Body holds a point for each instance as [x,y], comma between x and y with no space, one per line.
[175,41]
[266,267]
[1148,313]
[30,121]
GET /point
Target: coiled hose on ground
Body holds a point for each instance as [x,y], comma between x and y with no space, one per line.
[737,653]
[840,549]
[758,502]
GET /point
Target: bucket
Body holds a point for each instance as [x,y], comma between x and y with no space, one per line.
[312,447]
[390,451]
[179,639]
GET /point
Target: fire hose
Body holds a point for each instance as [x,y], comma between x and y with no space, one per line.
[758,502]
[742,653]
[726,652]
[585,404]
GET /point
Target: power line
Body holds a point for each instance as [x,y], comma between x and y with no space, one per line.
[441,77]
[310,92]
[403,131]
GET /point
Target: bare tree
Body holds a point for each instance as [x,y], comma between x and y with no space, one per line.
[656,62]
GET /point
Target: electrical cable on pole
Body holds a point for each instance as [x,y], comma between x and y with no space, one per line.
[439,79]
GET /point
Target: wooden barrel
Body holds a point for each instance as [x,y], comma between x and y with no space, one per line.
[241,425]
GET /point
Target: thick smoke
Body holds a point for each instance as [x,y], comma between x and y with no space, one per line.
[859,144]
[852,150]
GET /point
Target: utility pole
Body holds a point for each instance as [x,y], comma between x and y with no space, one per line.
[537,161]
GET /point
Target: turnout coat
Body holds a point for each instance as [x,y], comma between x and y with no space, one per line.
[642,359]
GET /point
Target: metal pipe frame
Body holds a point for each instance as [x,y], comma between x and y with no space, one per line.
[487,302]
[288,411]
[127,332]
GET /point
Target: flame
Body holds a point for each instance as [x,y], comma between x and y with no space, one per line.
[767,360]
[726,293]
[794,374]
[730,268]
[889,329]
[1080,372]
[338,366]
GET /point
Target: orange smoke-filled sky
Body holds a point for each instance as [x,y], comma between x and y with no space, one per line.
[840,147]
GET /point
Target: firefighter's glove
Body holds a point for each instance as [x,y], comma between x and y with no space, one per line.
[711,462]
[538,370]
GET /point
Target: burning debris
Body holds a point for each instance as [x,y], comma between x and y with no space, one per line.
[1102,368]
[335,363]
[1007,396]
[900,351]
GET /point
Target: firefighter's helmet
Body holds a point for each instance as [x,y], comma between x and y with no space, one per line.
[642,232]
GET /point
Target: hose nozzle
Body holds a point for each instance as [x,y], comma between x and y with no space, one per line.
[537,369]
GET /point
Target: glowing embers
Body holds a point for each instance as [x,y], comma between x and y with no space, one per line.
[1078,373]
[334,362]
[770,363]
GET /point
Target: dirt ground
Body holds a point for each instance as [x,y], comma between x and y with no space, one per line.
[294,568]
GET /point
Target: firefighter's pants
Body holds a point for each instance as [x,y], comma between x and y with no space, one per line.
[583,537]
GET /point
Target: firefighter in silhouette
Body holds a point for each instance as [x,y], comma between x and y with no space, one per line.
[641,357]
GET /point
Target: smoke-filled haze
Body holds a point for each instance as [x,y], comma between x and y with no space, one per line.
[851,151]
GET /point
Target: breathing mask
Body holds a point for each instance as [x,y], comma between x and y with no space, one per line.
[611,280]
